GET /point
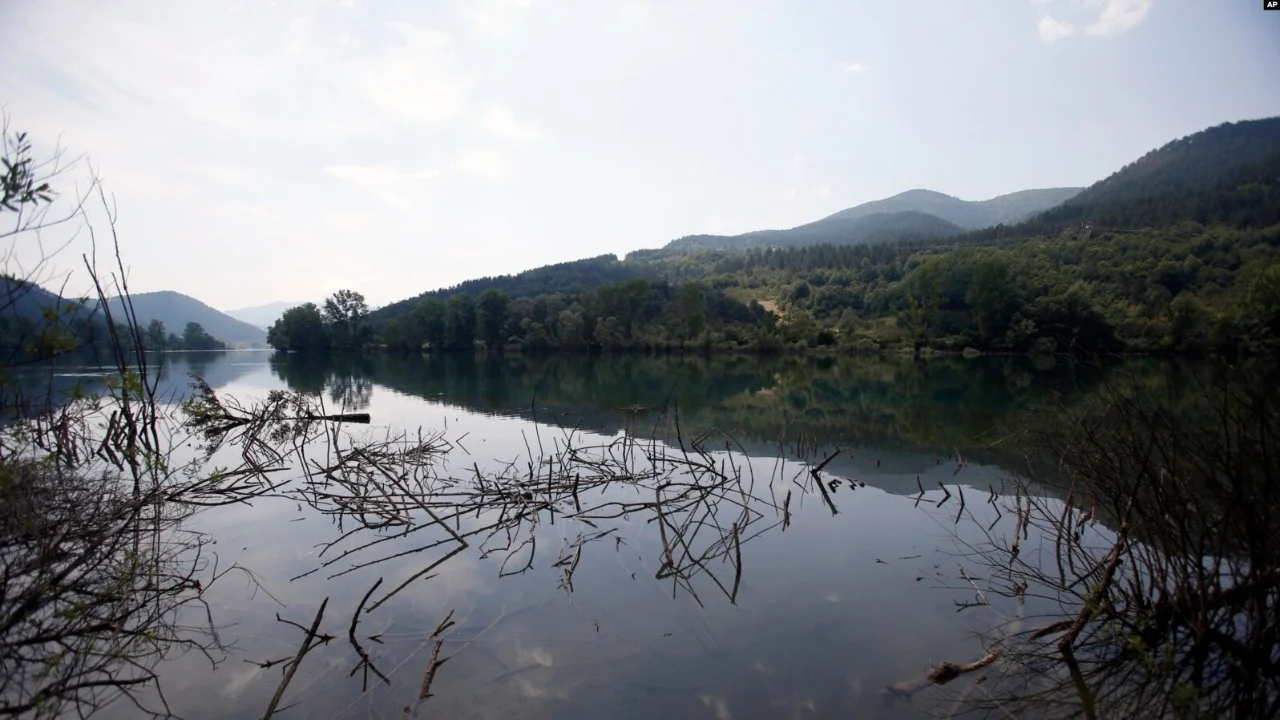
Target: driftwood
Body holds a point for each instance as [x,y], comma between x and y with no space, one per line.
[941,674]
[307,644]
[362,418]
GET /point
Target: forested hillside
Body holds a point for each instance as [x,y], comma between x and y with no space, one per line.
[37,323]
[175,311]
[1226,174]
[574,276]
[1157,258]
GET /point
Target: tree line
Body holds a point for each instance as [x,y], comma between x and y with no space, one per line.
[1188,290]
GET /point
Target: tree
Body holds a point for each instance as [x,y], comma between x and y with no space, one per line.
[156,335]
[1262,311]
[924,291]
[194,337]
[300,329]
[573,330]
[491,316]
[692,305]
[432,314]
[344,313]
[460,323]
[992,297]
[1188,324]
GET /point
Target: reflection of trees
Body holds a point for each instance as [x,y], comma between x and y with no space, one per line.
[941,404]
[99,580]
[1169,608]
[346,380]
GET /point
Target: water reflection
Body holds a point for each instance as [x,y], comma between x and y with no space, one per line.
[641,537]
[908,414]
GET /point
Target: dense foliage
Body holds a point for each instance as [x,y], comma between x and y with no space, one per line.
[194,337]
[1186,289]
[340,326]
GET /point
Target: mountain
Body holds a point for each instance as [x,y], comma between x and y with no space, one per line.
[1224,174]
[970,215]
[28,301]
[1018,206]
[912,215]
[263,316]
[873,228]
[175,310]
[1195,162]
[567,277]
[27,314]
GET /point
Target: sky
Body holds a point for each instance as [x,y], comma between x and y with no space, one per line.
[260,151]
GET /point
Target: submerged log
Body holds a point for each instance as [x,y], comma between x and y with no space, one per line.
[362,418]
[941,674]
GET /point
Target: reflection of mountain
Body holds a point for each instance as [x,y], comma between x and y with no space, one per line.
[892,417]
[54,382]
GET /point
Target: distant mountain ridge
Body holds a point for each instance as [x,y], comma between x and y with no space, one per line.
[872,228]
[175,310]
[969,215]
[911,215]
[263,316]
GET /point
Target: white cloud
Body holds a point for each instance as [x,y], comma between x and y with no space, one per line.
[499,121]
[824,191]
[385,182]
[347,221]
[789,196]
[414,79]
[797,161]
[1118,16]
[496,18]
[853,68]
[1052,30]
[372,176]
[488,163]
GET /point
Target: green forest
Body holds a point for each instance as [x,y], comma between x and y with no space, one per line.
[1176,253]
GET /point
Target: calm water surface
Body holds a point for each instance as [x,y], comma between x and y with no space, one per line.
[830,608]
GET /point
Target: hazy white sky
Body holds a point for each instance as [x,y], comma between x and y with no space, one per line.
[281,150]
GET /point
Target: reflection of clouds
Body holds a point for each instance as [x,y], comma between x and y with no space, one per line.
[537,680]
[240,680]
[762,668]
[444,585]
[807,705]
[718,704]
[530,689]
[537,656]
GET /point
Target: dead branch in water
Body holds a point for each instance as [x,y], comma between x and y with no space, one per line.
[817,478]
[433,665]
[941,674]
[292,667]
